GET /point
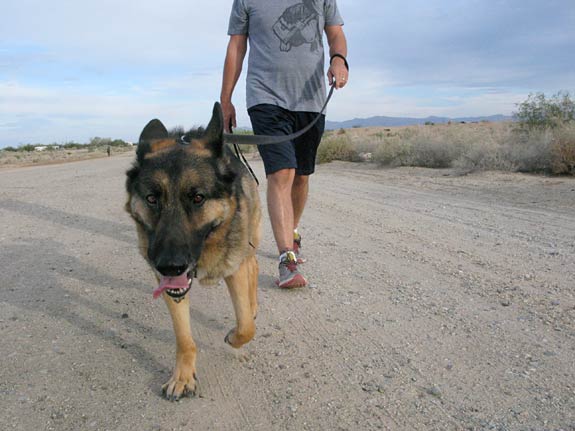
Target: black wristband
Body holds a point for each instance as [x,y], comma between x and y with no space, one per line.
[342,57]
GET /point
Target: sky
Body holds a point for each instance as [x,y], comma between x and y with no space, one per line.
[73,70]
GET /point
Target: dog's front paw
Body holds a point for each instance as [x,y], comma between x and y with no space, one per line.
[182,383]
[237,339]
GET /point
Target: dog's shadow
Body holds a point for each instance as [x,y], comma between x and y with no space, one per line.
[45,262]
[42,263]
[116,231]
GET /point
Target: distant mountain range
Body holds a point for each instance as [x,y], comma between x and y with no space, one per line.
[406,121]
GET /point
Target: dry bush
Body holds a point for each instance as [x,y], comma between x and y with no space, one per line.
[421,146]
[563,150]
[430,149]
[465,147]
[529,150]
[483,148]
[393,151]
[336,147]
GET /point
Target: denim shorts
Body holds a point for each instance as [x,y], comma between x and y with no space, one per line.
[298,154]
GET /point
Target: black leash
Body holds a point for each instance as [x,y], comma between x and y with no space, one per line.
[230,138]
[238,140]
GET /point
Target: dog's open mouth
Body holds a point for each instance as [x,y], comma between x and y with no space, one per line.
[175,287]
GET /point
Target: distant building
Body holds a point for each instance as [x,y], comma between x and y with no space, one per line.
[46,147]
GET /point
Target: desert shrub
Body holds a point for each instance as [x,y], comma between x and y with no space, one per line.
[99,142]
[72,146]
[338,147]
[541,112]
[27,147]
[119,143]
[483,149]
[563,150]
[367,143]
[433,151]
[529,151]
[392,151]
[544,140]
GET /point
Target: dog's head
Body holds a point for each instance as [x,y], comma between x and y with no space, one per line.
[180,195]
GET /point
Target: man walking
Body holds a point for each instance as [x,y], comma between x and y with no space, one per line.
[285,92]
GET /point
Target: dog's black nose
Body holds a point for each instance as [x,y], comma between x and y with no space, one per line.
[172,270]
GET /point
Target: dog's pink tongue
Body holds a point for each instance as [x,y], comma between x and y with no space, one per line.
[179,282]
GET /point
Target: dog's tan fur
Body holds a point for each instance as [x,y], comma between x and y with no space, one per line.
[228,251]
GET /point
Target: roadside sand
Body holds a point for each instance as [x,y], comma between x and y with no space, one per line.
[436,303]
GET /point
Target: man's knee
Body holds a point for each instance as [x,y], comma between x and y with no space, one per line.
[301,180]
[281,178]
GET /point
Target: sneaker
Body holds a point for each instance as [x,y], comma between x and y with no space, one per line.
[290,277]
[297,248]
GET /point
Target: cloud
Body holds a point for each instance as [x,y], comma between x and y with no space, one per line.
[73,70]
[514,43]
[40,114]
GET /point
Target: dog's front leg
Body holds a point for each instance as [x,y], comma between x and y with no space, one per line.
[183,381]
[243,294]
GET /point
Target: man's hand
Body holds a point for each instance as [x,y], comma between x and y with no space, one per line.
[237,47]
[337,72]
[229,113]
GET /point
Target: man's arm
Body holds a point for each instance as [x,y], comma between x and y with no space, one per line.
[337,45]
[237,47]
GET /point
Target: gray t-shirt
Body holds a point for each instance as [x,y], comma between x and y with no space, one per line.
[286,58]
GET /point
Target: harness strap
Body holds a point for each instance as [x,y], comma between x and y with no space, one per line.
[247,165]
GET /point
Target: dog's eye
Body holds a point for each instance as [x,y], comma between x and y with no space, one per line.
[198,199]
[151,199]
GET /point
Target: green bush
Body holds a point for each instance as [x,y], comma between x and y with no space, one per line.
[541,112]
[28,147]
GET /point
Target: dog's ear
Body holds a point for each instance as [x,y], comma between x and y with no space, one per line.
[154,130]
[214,135]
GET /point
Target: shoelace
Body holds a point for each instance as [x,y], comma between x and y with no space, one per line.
[290,261]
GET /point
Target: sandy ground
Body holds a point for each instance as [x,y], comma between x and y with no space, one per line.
[436,303]
[11,159]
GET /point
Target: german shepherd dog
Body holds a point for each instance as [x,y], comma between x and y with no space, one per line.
[197,213]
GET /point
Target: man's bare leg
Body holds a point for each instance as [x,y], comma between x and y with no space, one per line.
[280,207]
[281,211]
[299,193]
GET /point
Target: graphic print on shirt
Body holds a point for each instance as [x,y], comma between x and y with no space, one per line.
[298,25]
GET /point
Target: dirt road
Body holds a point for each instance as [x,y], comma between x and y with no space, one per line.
[436,303]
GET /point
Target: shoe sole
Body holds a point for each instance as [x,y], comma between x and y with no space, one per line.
[294,282]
